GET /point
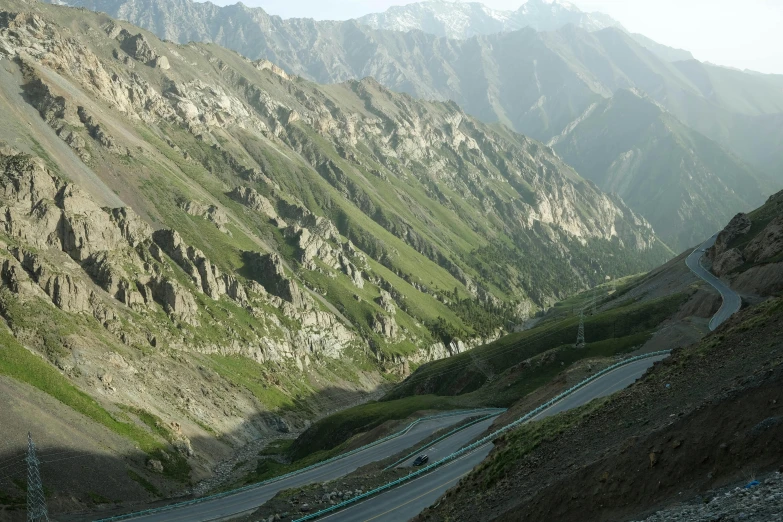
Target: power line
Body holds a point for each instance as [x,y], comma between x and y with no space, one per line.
[70,458]
[19,461]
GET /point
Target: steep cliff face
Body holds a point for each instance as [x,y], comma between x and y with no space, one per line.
[259,247]
[749,250]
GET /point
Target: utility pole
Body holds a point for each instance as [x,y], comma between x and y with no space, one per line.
[36,502]
[580,336]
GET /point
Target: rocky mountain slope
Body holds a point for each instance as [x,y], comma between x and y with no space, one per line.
[537,83]
[686,184]
[749,250]
[199,250]
[704,419]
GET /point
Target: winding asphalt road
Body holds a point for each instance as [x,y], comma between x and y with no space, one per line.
[248,500]
[731,300]
[451,444]
[408,500]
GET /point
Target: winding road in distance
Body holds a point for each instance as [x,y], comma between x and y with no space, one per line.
[247,500]
[731,300]
[410,499]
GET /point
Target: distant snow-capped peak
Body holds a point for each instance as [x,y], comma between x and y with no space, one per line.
[466,19]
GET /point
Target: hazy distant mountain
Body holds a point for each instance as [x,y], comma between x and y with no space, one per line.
[534,82]
[670,54]
[465,19]
[685,184]
[461,20]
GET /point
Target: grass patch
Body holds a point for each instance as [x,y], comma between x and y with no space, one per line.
[20,364]
[276,447]
[608,333]
[264,381]
[97,498]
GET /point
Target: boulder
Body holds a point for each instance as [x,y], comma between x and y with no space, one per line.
[184,447]
[161,62]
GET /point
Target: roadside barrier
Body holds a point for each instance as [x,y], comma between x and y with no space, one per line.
[449,434]
[296,472]
[485,440]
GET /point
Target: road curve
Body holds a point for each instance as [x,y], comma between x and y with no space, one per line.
[731,300]
[408,500]
[453,443]
[244,501]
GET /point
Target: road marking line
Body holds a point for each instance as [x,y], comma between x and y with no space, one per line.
[417,498]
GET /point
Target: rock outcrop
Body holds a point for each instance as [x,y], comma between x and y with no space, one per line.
[386,302]
[738,226]
[768,244]
[727,261]
[209,212]
[251,198]
[268,270]
[386,326]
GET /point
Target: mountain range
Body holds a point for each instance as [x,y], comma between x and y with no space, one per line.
[462,20]
[539,83]
[203,249]
[680,180]
[181,221]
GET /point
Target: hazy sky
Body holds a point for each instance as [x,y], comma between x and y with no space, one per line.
[738,33]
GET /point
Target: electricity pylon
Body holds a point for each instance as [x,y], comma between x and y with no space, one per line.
[36,502]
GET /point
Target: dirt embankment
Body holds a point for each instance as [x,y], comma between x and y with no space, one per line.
[76,454]
[709,416]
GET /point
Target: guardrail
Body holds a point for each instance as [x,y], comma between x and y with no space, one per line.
[449,434]
[485,440]
[295,472]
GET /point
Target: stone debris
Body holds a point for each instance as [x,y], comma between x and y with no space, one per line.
[758,501]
